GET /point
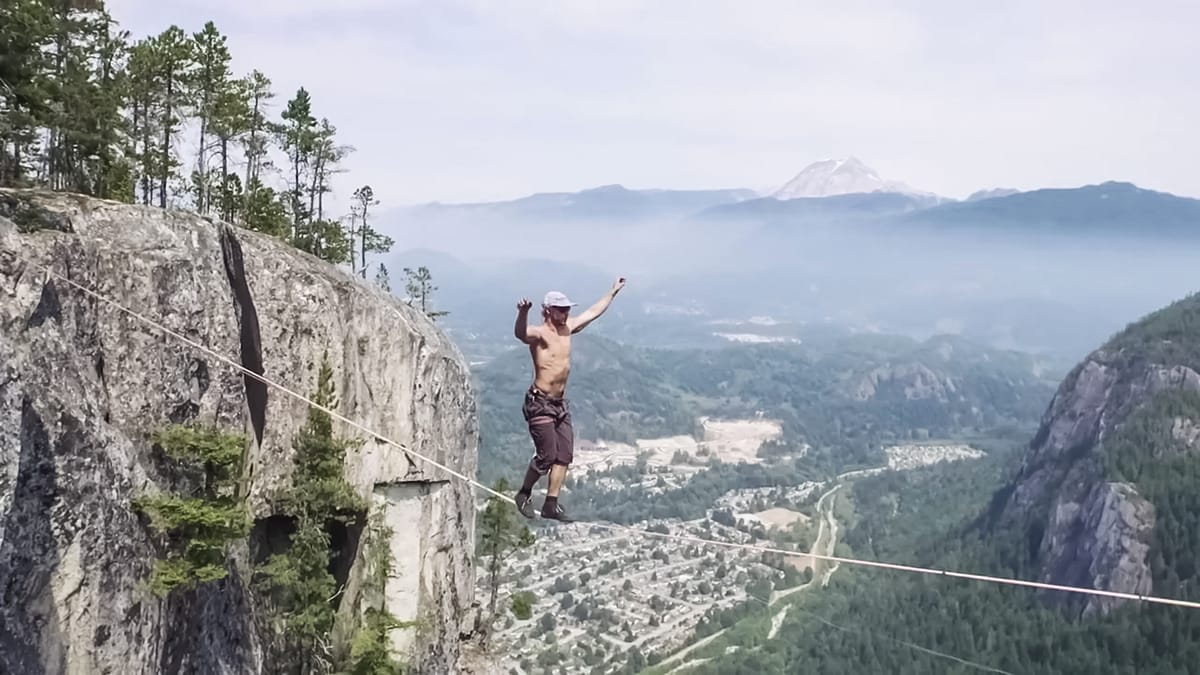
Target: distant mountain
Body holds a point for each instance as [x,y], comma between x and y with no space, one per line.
[1112,208]
[837,192]
[608,202]
[610,226]
[845,207]
[838,177]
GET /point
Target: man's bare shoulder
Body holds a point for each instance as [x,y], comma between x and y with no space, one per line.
[535,334]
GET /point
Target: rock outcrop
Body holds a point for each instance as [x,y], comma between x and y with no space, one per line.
[912,381]
[1082,525]
[82,385]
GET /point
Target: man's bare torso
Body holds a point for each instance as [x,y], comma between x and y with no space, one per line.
[551,360]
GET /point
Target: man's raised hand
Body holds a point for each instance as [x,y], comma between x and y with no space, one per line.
[618,285]
[524,305]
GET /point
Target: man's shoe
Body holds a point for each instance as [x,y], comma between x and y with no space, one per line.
[554,511]
[525,505]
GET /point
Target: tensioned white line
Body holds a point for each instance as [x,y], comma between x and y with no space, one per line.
[677,537]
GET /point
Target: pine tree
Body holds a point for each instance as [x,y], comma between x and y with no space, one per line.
[259,94]
[173,71]
[296,137]
[203,513]
[113,170]
[501,535]
[326,156]
[231,119]
[324,237]
[301,589]
[141,100]
[63,84]
[80,84]
[263,209]
[382,280]
[367,238]
[266,211]
[420,288]
[327,240]
[210,89]
[25,27]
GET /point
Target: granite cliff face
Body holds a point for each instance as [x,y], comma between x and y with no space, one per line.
[1081,499]
[82,385]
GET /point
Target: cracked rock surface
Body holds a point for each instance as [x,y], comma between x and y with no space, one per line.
[83,385]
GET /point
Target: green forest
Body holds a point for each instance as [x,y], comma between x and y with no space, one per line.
[89,109]
[1150,452]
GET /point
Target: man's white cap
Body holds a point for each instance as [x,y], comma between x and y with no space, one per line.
[556,299]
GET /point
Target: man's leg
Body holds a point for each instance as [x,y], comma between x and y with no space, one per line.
[558,474]
[563,456]
[541,430]
[550,507]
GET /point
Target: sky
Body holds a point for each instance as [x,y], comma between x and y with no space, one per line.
[478,100]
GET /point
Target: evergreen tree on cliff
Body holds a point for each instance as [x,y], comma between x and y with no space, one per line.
[500,536]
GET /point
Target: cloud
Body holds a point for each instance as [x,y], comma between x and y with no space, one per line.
[461,100]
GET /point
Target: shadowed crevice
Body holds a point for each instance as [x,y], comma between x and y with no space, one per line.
[251,342]
[48,308]
[29,638]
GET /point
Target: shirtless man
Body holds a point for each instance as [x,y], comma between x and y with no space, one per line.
[546,411]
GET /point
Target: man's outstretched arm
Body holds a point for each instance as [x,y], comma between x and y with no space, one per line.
[578,323]
[521,328]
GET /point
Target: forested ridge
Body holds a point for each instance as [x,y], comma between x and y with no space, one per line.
[1155,448]
[87,108]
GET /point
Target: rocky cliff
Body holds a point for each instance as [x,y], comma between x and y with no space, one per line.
[82,386]
[1112,452]
[911,381]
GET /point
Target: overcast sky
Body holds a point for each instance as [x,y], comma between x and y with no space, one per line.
[470,100]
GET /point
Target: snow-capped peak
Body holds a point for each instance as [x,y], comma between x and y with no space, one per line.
[839,177]
[991,194]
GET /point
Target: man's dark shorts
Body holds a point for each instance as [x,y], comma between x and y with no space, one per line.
[549,422]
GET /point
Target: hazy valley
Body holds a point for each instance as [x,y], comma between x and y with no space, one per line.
[1024,270]
[866,386]
[744,443]
[650,596]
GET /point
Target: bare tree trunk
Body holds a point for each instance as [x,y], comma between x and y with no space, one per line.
[226,202]
[363,240]
[146,156]
[166,144]
[202,188]
[353,233]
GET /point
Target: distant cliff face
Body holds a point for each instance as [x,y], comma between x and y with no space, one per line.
[912,381]
[1090,493]
[82,386]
